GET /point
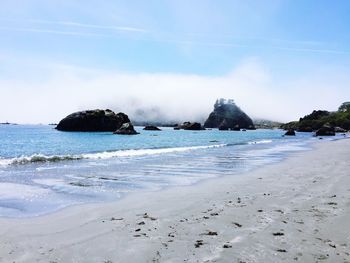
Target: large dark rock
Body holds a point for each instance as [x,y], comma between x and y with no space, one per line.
[126,129]
[93,121]
[194,126]
[223,126]
[151,128]
[227,115]
[236,128]
[325,131]
[290,132]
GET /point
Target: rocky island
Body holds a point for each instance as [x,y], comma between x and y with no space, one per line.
[228,116]
[192,126]
[97,121]
[151,128]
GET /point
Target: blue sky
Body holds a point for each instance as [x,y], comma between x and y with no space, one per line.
[257,52]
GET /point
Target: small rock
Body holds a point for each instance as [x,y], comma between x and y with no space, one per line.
[332,203]
[212,233]
[151,128]
[290,132]
[237,224]
[281,250]
[198,243]
[126,129]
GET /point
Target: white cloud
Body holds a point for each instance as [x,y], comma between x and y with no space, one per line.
[179,96]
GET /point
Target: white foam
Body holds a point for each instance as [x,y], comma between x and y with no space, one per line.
[37,158]
[140,152]
[236,240]
[260,142]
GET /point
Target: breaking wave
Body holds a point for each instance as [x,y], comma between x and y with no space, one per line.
[41,158]
[260,142]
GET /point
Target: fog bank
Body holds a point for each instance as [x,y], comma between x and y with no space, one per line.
[50,94]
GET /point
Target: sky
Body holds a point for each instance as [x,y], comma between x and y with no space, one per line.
[278,59]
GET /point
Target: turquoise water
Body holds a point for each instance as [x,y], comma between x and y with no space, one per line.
[43,170]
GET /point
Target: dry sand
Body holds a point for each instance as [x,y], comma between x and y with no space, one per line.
[294,211]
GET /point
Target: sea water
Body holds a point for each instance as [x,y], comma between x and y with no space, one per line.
[43,170]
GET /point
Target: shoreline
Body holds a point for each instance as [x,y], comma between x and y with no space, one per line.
[266,215]
[283,155]
[52,183]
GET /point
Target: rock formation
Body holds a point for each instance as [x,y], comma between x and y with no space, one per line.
[320,118]
[228,116]
[290,132]
[151,128]
[338,129]
[195,126]
[325,131]
[93,121]
[126,129]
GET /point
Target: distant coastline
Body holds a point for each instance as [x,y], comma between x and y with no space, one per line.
[7,123]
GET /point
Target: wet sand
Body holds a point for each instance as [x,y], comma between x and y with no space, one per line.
[295,211]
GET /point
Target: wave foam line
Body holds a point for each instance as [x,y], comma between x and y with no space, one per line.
[260,142]
[40,158]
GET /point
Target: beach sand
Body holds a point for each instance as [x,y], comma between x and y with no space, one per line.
[295,211]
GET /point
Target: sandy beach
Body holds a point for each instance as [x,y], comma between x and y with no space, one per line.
[295,211]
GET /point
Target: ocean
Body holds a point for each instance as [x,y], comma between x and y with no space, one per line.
[43,170]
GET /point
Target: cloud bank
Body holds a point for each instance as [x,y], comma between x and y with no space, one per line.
[60,90]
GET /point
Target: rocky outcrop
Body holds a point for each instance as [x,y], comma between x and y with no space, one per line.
[290,132]
[126,129]
[227,115]
[223,126]
[320,118]
[151,128]
[339,129]
[194,126]
[325,131]
[93,121]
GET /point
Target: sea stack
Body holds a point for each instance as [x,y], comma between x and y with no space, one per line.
[93,121]
[228,116]
[151,128]
[192,126]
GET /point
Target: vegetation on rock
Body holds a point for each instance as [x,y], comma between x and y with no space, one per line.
[321,118]
[227,115]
